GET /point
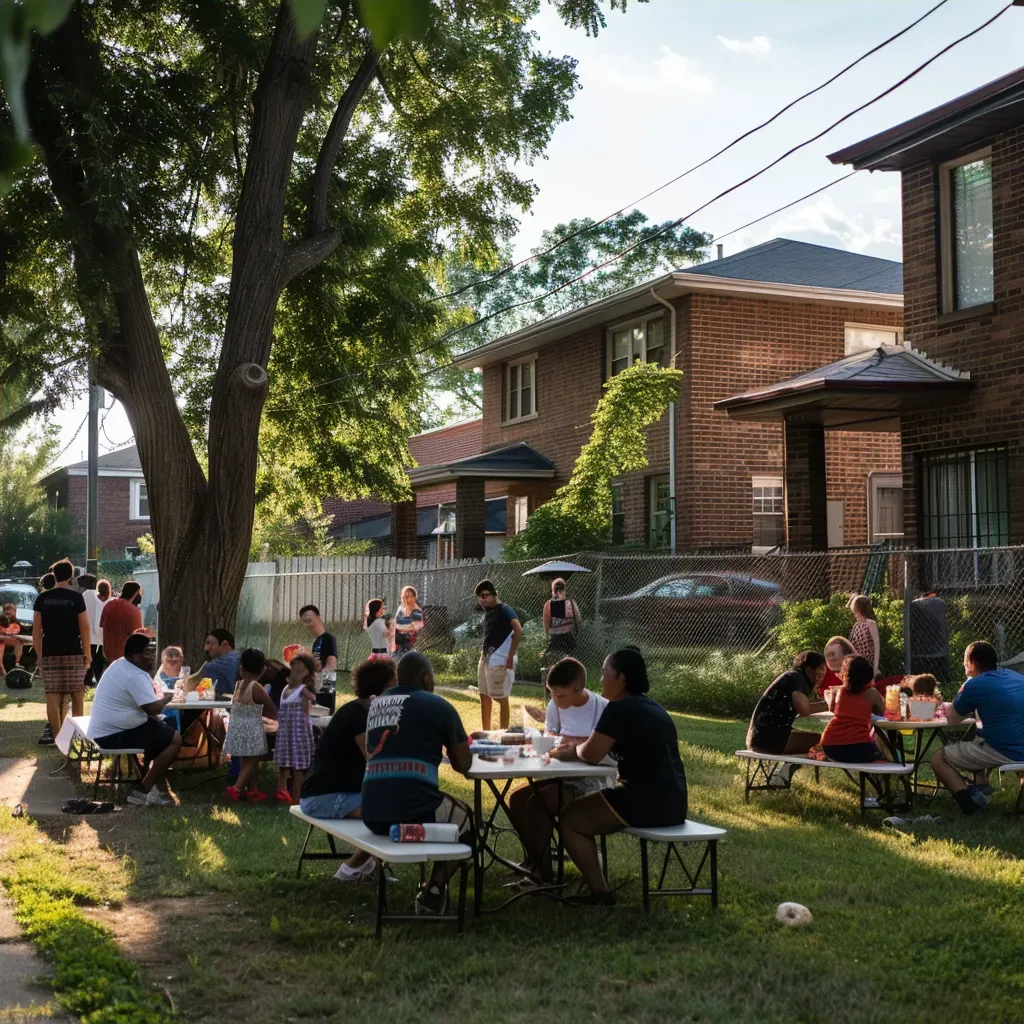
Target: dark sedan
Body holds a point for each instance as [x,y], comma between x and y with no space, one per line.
[700,608]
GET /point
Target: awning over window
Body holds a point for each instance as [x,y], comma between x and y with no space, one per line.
[866,391]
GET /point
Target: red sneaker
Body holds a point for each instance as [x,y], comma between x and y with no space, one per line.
[255,796]
[283,797]
[232,791]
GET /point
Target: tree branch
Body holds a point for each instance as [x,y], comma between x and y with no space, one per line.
[331,146]
[308,253]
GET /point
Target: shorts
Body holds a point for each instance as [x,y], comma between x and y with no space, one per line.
[494,680]
[153,737]
[852,753]
[974,756]
[63,673]
[639,808]
[331,805]
[768,741]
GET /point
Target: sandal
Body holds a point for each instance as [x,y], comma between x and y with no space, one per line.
[232,791]
[282,796]
[255,796]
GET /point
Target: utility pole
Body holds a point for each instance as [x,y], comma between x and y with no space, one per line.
[92,500]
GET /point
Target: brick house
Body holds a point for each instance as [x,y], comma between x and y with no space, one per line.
[123,503]
[955,395]
[432,529]
[730,324]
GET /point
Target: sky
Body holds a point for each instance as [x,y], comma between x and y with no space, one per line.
[669,82]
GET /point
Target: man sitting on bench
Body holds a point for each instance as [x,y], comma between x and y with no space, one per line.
[121,718]
[997,696]
[407,729]
[793,693]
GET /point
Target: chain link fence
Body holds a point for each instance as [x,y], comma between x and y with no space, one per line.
[708,624]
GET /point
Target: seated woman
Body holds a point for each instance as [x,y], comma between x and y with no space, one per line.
[837,650]
[333,788]
[848,736]
[640,734]
[572,714]
[792,694]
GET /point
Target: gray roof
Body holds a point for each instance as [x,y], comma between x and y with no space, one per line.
[123,459]
[787,261]
[513,462]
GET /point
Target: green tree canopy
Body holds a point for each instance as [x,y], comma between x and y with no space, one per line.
[243,226]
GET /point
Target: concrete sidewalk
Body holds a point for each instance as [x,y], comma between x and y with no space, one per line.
[28,781]
[22,999]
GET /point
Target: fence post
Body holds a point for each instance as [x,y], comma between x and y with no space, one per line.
[907,597]
[597,587]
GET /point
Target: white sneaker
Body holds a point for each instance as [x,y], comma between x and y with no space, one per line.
[154,798]
[138,797]
[871,803]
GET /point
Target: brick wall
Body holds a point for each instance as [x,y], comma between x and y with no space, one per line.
[990,346]
[116,528]
[724,345]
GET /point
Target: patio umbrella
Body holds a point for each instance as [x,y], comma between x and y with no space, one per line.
[554,569]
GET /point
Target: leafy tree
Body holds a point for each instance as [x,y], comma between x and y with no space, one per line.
[579,516]
[238,219]
[587,244]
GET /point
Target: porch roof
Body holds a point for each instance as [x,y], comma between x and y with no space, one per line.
[865,391]
[513,462]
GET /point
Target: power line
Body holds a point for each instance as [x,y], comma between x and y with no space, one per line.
[696,167]
[681,220]
[74,438]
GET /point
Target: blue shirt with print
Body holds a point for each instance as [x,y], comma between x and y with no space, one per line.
[998,698]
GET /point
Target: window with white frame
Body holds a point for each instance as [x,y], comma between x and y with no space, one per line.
[865,338]
[769,511]
[522,513]
[618,515]
[642,341]
[139,500]
[659,509]
[521,389]
[965,194]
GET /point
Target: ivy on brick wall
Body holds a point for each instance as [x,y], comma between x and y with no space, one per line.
[579,516]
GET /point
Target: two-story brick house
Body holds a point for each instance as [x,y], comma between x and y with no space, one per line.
[730,324]
[956,395]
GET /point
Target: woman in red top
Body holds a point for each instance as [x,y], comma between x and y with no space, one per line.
[848,736]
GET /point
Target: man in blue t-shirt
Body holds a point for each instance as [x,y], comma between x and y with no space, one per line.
[408,729]
[996,696]
[496,669]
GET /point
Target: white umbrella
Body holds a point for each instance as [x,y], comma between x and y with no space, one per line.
[556,569]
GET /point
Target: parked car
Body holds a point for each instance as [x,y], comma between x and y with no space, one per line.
[23,595]
[695,609]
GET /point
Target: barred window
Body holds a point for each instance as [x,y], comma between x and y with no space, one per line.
[965,499]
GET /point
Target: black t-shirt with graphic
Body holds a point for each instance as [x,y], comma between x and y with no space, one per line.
[772,720]
[338,763]
[324,647]
[407,730]
[60,609]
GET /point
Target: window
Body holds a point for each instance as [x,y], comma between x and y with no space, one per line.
[618,516]
[769,512]
[643,341]
[865,338]
[885,510]
[659,510]
[521,389]
[139,500]
[522,512]
[965,189]
[964,499]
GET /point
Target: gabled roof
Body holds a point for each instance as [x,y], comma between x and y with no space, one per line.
[513,462]
[781,269]
[787,261]
[944,130]
[865,391]
[123,459]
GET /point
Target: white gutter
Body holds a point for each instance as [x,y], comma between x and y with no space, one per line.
[671,428]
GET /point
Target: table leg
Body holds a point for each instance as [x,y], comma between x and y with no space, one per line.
[560,845]
[478,847]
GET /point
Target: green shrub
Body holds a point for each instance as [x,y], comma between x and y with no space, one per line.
[720,684]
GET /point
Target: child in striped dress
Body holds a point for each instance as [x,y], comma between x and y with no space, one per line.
[294,750]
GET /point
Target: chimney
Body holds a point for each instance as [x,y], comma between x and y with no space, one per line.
[721,250]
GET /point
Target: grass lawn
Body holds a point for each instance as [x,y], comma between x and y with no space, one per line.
[925,926]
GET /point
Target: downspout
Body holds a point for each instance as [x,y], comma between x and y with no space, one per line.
[671,428]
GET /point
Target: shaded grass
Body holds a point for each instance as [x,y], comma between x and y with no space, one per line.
[927,924]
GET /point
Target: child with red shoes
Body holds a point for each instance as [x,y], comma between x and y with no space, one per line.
[245,737]
[293,751]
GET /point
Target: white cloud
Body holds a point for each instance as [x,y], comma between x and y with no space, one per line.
[671,73]
[759,44]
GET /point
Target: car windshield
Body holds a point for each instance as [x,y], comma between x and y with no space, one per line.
[22,596]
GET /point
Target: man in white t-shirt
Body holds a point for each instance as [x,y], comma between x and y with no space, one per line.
[93,608]
[122,718]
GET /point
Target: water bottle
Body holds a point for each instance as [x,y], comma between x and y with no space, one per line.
[431,832]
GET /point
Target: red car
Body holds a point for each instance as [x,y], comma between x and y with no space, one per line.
[700,608]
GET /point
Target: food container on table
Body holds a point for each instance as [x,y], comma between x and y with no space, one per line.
[192,698]
[543,744]
[922,710]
